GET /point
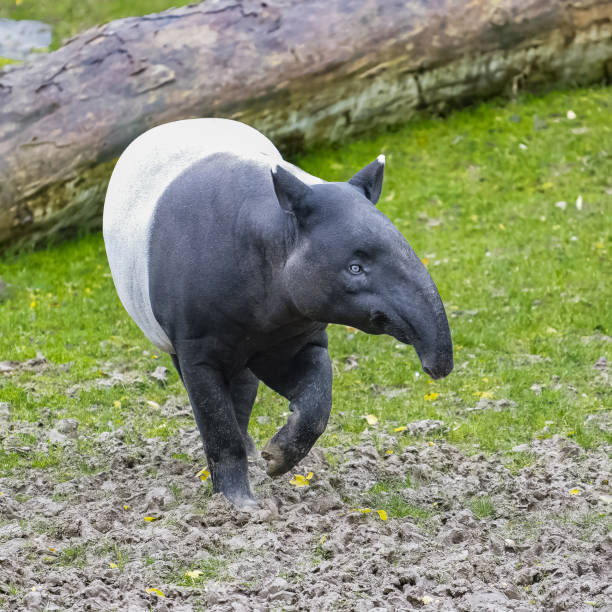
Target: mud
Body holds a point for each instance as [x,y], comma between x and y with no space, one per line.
[461,532]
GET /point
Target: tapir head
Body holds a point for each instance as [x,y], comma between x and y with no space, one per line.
[350,265]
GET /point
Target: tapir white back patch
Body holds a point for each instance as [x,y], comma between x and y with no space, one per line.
[139,179]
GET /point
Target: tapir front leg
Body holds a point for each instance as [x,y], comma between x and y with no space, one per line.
[210,396]
[305,380]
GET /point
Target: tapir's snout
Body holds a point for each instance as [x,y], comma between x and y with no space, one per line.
[442,366]
[421,321]
[434,345]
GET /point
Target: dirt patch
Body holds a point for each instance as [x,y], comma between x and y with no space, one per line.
[461,532]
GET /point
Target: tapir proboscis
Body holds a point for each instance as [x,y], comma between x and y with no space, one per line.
[234,261]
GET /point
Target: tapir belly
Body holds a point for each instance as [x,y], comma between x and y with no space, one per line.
[139,179]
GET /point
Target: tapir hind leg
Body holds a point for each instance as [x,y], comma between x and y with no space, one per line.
[243,389]
[306,381]
[211,399]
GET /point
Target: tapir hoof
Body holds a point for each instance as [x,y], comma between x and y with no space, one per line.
[243,504]
[276,460]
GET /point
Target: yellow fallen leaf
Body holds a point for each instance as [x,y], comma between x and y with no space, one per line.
[388,452]
[485,394]
[193,574]
[32,304]
[112,565]
[117,404]
[154,357]
[382,514]
[309,476]
[126,507]
[430,443]
[51,549]
[431,396]
[156,591]
[425,261]
[371,419]
[150,519]
[299,481]
[363,510]
[322,540]
[402,428]
[204,474]
[502,227]
[574,492]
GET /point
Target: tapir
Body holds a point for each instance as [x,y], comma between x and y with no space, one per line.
[234,261]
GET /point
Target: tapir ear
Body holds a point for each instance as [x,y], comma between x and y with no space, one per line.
[369,180]
[290,191]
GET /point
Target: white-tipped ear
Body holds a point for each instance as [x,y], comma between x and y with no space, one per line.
[290,191]
[369,180]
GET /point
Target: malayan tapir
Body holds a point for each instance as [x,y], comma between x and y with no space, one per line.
[234,261]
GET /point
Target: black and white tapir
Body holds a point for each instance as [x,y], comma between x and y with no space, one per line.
[234,262]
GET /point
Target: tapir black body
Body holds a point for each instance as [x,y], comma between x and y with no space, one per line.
[248,260]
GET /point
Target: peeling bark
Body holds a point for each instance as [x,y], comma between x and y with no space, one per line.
[301,72]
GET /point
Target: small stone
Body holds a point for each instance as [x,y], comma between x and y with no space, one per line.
[55,437]
[20,39]
[561,204]
[68,427]
[601,364]
[426,427]
[537,388]
[160,374]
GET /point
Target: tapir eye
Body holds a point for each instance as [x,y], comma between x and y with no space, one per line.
[355,269]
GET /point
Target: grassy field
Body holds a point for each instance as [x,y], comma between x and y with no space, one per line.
[507,203]
[68,17]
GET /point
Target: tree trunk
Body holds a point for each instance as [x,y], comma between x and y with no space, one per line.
[301,71]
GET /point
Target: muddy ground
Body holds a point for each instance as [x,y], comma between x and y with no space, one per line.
[462,532]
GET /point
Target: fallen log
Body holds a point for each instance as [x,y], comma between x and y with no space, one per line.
[301,71]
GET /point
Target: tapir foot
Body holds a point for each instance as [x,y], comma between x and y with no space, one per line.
[280,460]
[243,504]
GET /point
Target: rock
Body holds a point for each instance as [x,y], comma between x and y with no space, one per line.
[601,364]
[160,375]
[68,427]
[55,437]
[537,388]
[159,497]
[19,40]
[426,427]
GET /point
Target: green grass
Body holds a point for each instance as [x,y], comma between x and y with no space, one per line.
[388,495]
[537,277]
[200,572]
[68,17]
[482,507]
